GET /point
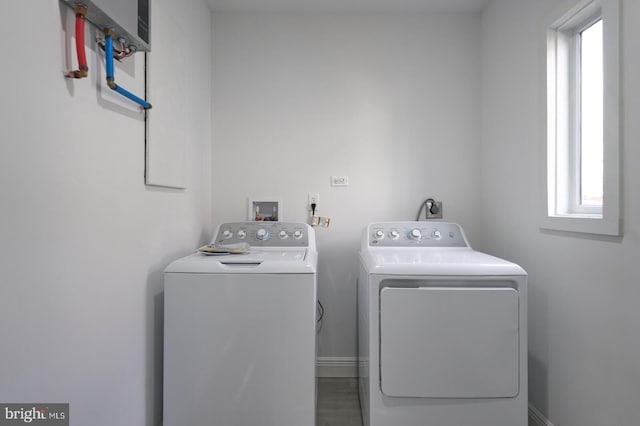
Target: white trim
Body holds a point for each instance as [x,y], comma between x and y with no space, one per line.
[536,418]
[337,366]
[582,224]
[556,216]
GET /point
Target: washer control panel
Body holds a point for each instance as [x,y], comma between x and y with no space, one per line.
[416,234]
[263,234]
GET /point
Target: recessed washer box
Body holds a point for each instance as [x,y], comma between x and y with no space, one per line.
[130,19]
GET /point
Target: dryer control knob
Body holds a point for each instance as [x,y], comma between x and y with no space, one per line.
[379,234]
[242,234]
[394,234]
[227,234]
[283,234]
[436,235]
[297,234]
[262,234]
[415,234]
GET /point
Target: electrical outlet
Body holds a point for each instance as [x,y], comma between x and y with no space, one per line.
[435,211]
[339,180]
[314,198]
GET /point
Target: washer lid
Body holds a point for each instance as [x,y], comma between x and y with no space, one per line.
[436,261]
[257,261]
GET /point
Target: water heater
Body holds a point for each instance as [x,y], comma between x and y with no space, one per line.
[129,19]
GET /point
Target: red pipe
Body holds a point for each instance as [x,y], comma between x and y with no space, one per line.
[83,69]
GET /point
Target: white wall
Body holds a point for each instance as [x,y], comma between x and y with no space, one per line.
[84,242]
[391,100]
[584,356]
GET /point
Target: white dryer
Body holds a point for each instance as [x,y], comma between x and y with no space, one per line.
[442,330]
[240,330]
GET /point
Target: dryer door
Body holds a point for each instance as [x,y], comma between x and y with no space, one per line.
[449,342]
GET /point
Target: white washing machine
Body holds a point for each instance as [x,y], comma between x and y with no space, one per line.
[240,330]
[442,330]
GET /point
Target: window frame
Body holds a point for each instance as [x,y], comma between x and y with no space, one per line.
[575,205]
[563,209]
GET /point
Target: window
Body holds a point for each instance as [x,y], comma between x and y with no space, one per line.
[583,119]
[588,188]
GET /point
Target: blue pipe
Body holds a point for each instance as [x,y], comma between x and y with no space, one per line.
[108,52]
[144,104]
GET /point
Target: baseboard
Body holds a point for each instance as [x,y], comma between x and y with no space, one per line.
[536,418]
[337,366]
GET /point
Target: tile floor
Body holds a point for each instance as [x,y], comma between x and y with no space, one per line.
[338,403]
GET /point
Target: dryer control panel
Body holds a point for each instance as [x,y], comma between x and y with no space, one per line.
[416,234]
[264,234]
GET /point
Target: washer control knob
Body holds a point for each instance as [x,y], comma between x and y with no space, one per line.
[282,234]
[227,234]
[242,234]
[379,234]
[394,234]
[297,234]
[436,235]
[415,234]
[262,234]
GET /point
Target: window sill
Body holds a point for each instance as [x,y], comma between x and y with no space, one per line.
[583,223]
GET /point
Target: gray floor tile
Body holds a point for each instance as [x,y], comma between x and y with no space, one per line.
[338,403]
